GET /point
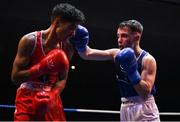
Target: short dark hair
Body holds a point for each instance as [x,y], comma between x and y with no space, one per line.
[133,25]
[67,12]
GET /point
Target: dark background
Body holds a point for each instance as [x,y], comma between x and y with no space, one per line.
[92,85]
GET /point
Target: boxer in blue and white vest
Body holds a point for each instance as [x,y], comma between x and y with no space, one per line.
[136,70]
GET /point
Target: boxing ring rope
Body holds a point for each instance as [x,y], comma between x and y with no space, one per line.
[96,111]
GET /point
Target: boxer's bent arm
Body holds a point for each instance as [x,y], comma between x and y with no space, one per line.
[61,83]
[19,72]
[147,76]
[99,55]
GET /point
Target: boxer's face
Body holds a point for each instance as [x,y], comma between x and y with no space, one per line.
[66,30]
[125,37]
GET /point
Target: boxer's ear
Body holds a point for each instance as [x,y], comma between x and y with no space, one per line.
[137,36]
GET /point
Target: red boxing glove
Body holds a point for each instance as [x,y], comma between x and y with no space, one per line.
[55,61]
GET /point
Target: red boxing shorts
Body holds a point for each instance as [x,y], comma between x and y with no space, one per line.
[37,101]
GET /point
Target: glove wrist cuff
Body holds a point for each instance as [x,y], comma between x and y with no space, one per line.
[134,77]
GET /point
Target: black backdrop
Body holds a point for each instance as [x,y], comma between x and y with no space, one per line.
[92,85]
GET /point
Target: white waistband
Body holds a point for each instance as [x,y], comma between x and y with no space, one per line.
[35,86]
[136,99]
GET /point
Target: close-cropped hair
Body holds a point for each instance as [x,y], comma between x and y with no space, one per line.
[68,12]
[133,25]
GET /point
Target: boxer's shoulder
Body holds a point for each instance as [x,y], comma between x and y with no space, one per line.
[27,42]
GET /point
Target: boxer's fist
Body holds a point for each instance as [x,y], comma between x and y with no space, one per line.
[55,61]
[81,38]
[128,62]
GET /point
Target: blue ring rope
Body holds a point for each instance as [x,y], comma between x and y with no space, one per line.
[12,106]
[96,111]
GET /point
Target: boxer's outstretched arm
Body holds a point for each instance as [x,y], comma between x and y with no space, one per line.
[81,40]
[99,55]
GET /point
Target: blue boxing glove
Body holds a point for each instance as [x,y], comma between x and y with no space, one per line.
[81,38]
[128,62]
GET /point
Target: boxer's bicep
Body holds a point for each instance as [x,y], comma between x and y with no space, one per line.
[22,58]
